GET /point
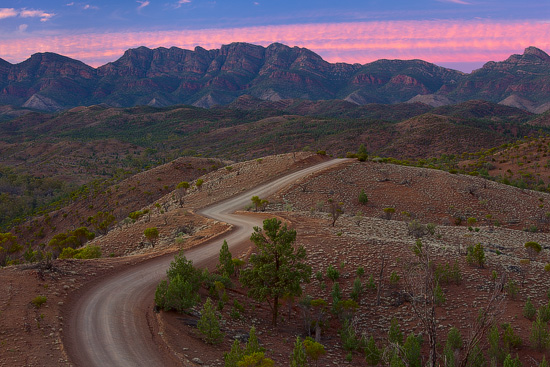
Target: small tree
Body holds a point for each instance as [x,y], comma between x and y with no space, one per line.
[226,265]
[372,353]
[152,235]
[476,255]
[336,210]
[533,249]
[395,335]
[255,360]
[452,347]
[278,269]
[529,310]
[363,198]
[412,351]
[388,212]
[540,337]
[314,350]
[181,190]
[298,357]
[209,324]
[199,183]
[234,355]
[256,201]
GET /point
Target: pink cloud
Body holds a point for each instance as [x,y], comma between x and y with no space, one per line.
[361,42]
[36,14]
[8,13]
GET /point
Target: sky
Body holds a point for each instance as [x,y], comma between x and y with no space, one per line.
[460,34]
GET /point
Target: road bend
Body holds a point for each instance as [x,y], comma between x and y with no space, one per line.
[107,324]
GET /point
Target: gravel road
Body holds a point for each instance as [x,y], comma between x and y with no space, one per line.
[107,324]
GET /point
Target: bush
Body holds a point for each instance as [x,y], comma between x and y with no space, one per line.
[363,198]
[394,278]
[454,343]
[348,336]
[512,289]
[544,312]
[395,335]
[475,255]
[332,273]
[529,310]
[357,290]
[88,252]
[540,338]
[412,350]
[510,338]
[38,301]
[388,212]
[372,353]
[209,324]
[533,249]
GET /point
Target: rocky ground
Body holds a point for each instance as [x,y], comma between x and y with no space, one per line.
[361,237]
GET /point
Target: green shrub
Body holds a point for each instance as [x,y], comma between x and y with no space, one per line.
[332,273]
[372,353]
[540,338]
[363,198]
[412,351]
[209,324]
[544,312]
[38,301]
[357,290]
[454,343]
[349,339]
[394,278]
[529,310]
[88,252]
[395,335]
[510,339]
[476,255]
[512,289]
[511,362]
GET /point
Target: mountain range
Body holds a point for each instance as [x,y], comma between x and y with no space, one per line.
[206,78]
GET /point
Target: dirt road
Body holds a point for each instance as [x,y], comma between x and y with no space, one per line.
[107,325]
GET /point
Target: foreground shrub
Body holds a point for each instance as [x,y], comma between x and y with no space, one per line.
[39,301]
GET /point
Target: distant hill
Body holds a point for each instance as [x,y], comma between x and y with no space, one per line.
[205,78]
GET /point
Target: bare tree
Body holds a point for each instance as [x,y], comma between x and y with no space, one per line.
[335,210]
[379,288]
[486,318]
[420,285]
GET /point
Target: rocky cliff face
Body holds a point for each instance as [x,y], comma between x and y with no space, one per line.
[205,78]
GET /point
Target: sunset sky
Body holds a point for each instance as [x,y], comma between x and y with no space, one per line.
[461,34]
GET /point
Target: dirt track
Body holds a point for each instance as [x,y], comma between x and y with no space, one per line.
[108,324]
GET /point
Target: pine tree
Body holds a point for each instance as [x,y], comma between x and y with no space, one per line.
[412,349]
[226,266]
[395,335]
[234,356]
[278,269]
[372,353]
[253,345]
[209,324]
[298,357]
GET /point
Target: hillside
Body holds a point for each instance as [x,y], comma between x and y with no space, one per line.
[163,77]
[365,236]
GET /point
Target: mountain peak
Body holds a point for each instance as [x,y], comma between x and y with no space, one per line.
[531,50]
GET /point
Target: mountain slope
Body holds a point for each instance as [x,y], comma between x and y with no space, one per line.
[205,78]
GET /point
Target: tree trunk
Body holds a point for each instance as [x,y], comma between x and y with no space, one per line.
[380,281]
[275,310]
[317,332]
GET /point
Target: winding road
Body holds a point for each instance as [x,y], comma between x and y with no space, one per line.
[107,325]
